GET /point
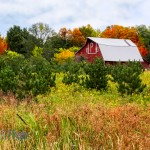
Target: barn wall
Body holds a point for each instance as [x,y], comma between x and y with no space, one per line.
[89,52]
[146,65]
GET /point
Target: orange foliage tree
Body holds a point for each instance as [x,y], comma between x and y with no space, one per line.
[77,39]
[3,45]
[120,32]
[72,37]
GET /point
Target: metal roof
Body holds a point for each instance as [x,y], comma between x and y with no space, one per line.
[118,49]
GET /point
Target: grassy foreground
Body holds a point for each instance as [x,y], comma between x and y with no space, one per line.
[73,118]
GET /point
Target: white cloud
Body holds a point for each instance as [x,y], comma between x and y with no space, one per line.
[71,14]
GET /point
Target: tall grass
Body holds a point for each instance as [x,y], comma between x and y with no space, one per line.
[74,118]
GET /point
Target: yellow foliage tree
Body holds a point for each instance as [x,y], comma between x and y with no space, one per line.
[64,55]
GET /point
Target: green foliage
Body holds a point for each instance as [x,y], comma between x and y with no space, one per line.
[88,31]
[74,49]
[15,38]
[13,60]
[128,78]
[25,77]
[8,80]
[36,76]
[12,53]
[20,41]
[37,51]
[73,71]
[96,75]
[51,47]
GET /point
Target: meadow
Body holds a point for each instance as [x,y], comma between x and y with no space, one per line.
[71,117]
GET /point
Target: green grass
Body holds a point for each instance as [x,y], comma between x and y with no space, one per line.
[72,117]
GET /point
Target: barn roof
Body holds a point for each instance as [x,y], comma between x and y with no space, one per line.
[118,49]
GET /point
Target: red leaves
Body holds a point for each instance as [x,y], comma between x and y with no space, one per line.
[3,46]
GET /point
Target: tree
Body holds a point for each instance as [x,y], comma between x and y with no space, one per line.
[21,41]
[76,38]
[88,31]
[37,51]
[15,38]
[41,31]
[64,55]
[127,77]
[144,33]
[3,45]
[96,75]
[51,46]
[65,36]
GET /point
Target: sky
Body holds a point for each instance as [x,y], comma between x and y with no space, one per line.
[73,13]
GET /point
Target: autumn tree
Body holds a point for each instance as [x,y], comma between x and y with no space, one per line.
[3,45]
[76,38]
[144,33]
[63,55]
[65,35]
[120,32]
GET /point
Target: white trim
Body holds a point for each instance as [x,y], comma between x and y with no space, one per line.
[90,46]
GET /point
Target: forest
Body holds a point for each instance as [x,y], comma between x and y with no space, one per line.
[50,101]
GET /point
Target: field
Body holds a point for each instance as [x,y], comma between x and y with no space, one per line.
[71,117]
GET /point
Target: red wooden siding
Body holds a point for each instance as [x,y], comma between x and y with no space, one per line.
[146,65]
[89,52]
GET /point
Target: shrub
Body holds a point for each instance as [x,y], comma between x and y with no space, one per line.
[36,77]
[128,77]
[8,80]
[25,77]
[96,75]
[73,71]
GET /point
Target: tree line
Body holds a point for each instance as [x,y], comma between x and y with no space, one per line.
[40,39]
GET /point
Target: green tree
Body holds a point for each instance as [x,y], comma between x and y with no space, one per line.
[15,38]
[52,45]
[128,78]
[21,41]
[96,75]
[88,31]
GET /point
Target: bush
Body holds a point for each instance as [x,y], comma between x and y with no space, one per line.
[128,77]
[36,76]
[25,77]
[8,80]
[96,75]
[73,70]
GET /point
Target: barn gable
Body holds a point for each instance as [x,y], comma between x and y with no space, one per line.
[111,50]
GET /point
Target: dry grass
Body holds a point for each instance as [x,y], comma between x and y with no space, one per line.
[71,117]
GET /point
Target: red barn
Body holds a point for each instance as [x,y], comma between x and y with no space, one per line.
[111,50]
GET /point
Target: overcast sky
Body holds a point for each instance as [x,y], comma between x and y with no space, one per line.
[73,13]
